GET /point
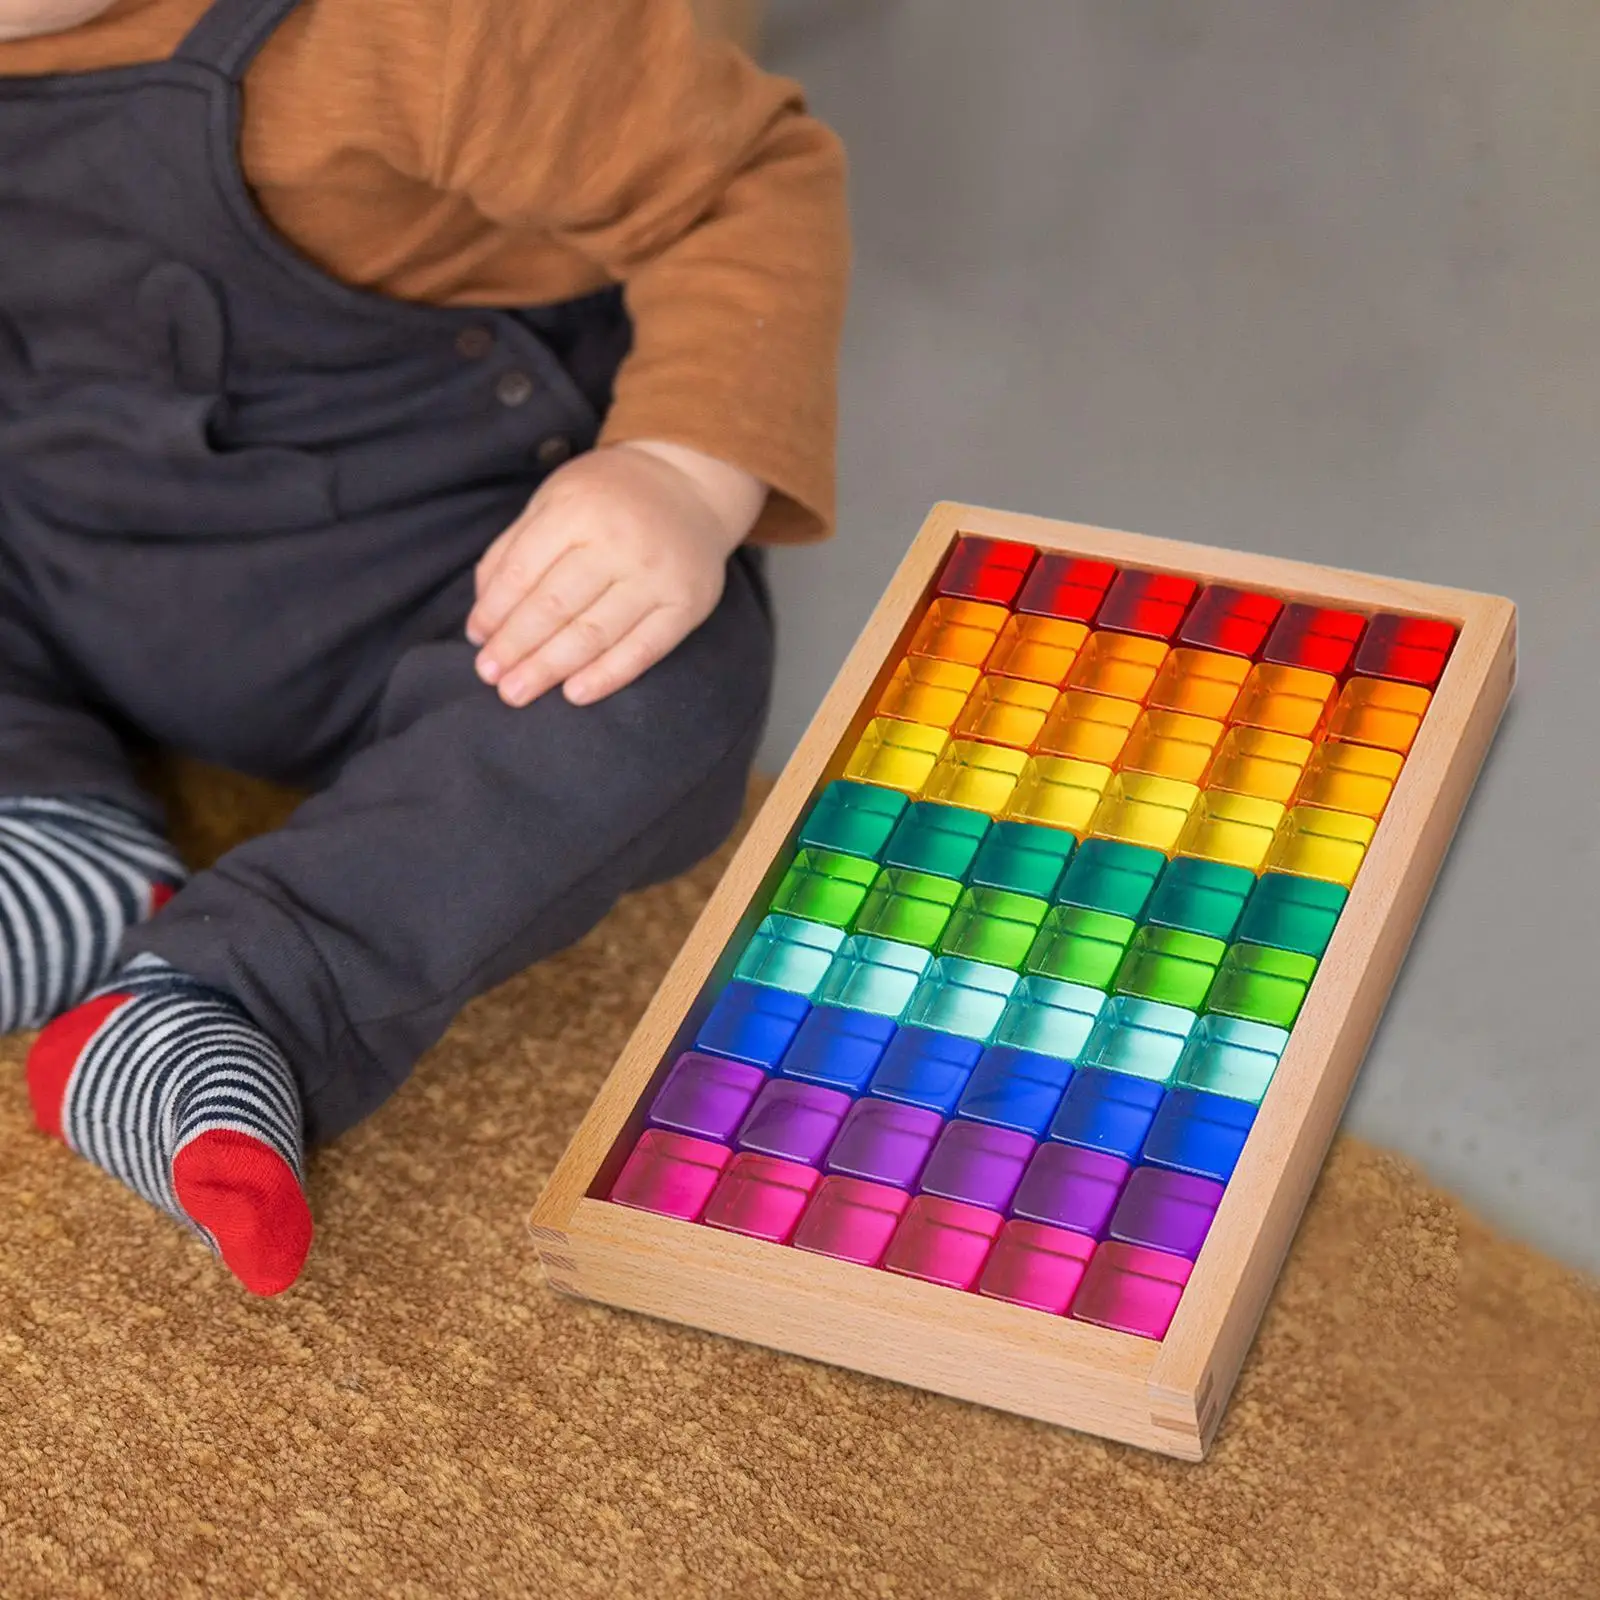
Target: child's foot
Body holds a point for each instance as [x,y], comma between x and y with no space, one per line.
[75,875]
[170,1087]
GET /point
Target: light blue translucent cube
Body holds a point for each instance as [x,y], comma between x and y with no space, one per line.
[876,975]
[1051,1017]
[1143,1038]
[962,997]
[1232,1056]
[789,953]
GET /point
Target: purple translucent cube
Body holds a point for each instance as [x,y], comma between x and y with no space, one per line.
[794,1121]
[883,1141]
[1164,1210]
[706,1096]
[1070,1187]
[977,1164]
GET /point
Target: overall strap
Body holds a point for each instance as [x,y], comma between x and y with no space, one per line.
[228,36]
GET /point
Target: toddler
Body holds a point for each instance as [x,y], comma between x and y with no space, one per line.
[390,397]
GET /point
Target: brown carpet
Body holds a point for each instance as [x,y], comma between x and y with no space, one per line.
[421,1417]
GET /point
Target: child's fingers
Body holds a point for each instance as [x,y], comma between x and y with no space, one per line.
[657,635]
[612,617]
[567,590]
[528,549]
[488,564]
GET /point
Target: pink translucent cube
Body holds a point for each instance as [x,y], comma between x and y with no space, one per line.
[1035,1265]
[1132,1289]
[670,1173]
[852,1220]
[762,1196]
[943,1241]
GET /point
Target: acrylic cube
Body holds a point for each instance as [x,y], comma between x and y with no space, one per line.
[1022,858]
[1087,727]
[1107,875]
[1235,829]
[794,1121]
[1232,1056]
[975,775]
[1316,638]
[942,840]
[986,569]
[977,1164]
[1141,809]
[1002,710]
[876,975]
[924,1067]
[1202,683]
[1259,762]
[1068,1186]
[1321,844]
[1233,620]
[1150,603]
[1164,1210]
[1262,984]
[706,1096]
[928,690]
[908,907]
[1041,649]
[1018,1089]
[1172,744]
[1292,913]
[1143,1038]
[1199,1133]
[993,926]
[1107,1111]
[789,953]
[761,1197]
[1122,665]
[1170,965]
[1286,700]
[824,886]
[1077,945]
[1200,896]
[885,1141]
[1408,649]
[1036,1266]
[961,996]
[1131,1289]
[1051,1017]
[753,1023]
[1387,715]
[963,631]
[856,818]
[670,1174]
[851,1220]
[1057,792]
[943,1241]
[838,1047]
[1066,586]
[896,754]
[1356,778]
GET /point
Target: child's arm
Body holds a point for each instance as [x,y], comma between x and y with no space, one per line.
[701,185]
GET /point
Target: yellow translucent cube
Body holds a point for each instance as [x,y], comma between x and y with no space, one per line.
[1058,792]
[1006,711]
[1234,828]
[896,755]
[1040,648]
[977,776]
[1120,664]
[1313,843]
[1141,808]
[1357,778]
[1087,727]
[1205,683]
[1172,744]
[1259,762]
[1376,712]
[959,630]
[928,690]
[1285,699]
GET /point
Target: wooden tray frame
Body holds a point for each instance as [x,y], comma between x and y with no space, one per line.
[1166,1397]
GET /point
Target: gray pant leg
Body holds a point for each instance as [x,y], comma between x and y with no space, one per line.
[465,842]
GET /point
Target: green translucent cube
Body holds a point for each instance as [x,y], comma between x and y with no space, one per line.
[1293,913]
[1200,896]
[910,907]
[960,996]
[1054,1019]
[1231,1056]
[876,975]
[789,953]
[1170,965]
[1023,858]
[1080,946]
[993,926]
[825,886]
[856,818]
[1108,875]
[938,839]
[1262,984]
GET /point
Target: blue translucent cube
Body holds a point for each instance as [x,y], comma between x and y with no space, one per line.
[752,1023]
[923,1067]
[1107,1111]
[838,1048]
[1015,1089]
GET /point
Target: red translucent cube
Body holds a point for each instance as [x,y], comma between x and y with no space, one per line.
[1314,637]
[1149,603]
[1406,649]
[986,569]
[1232,620]
[1066,586]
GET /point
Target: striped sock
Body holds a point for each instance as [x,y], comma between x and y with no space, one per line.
[169,1086]
[75,875]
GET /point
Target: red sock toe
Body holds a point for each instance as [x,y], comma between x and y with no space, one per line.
[249,1200]
[55,1053]
[160,894]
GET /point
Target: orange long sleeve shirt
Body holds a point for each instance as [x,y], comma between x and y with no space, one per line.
[514,152]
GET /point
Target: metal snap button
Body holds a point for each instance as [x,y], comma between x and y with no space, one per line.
[514,389]
[473,344]
[554,450]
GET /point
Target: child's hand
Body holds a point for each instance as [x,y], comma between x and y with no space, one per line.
[618,558]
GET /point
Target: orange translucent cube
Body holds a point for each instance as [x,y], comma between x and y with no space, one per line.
[1357,778]
[1205,683]
[928,690]
[1377,712]
[1172,744]
[1005,711]
[959,630]
[1040,648]
[1121,664]
[1286,699]
[1257,761]
[1087,727]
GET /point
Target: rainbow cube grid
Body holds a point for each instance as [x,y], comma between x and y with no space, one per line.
[1034,958]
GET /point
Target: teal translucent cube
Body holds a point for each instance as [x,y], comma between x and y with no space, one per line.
[993,926]
[856,818]
[825,886]
[964,997]
[1170,965]
[1197,896]
[1108,875]
[789,953]
[1291,913]
[939,839]
[876,975]
[1142,1038]
[1023,858]
[1232,1056]
[908,907]
[1051,1018]
[1077,945]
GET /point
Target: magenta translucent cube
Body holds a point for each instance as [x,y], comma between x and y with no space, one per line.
[884,1141]
[761,1196]
[977,1164]
[794,1121]
[670,1173]
[943,1241]
[706,1096]
[1165,1210]
[851,1220]
[1037,1266]
[1131,1289]
[1070,1187]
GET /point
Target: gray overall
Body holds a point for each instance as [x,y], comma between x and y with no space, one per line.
[240,505]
